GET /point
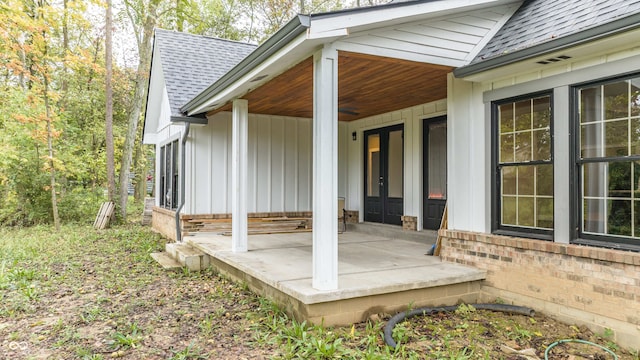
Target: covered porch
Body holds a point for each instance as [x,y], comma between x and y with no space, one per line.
[377,274]
[346,75]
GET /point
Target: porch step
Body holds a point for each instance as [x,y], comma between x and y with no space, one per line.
[188,256]
[166,261]
[427,237]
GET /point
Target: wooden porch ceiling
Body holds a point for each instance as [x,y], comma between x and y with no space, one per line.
[367,85]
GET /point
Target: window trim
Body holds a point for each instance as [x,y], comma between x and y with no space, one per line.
[496,226]
[166,174]
[589,239]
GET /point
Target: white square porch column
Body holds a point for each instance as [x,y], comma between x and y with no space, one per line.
[240,138]
[325,169]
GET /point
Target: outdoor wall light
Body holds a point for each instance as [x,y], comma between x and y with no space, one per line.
[354,136]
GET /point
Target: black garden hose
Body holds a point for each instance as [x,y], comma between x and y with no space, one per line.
[388,329]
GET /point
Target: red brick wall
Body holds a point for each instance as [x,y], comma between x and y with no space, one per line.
[586,285]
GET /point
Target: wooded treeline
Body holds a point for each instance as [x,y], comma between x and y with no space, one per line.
[52,94]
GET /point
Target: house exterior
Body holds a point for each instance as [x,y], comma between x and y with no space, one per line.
[522,117]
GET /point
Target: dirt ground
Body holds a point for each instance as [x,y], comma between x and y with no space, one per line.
[497,335]
[84,294]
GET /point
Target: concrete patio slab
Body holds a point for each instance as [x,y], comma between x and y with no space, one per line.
[374,272]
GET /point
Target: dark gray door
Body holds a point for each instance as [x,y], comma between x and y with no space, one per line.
[435,171]
[384,175]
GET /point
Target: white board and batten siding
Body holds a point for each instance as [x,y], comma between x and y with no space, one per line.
[451,40]
[469,131]
[280,161]
[279,165]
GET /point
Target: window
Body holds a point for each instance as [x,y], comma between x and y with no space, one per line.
[524,165]
[608,160]
[169,175]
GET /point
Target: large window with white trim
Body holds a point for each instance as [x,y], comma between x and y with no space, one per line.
[523,158]
[169,175]
[608,160]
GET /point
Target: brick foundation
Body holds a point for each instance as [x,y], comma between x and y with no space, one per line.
[353,216]
[409,223]
[164,222]
[577,284]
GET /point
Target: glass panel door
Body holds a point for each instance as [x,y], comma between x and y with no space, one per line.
[373,162]
[437,161]
[384,175]
[435,172]
[395,161]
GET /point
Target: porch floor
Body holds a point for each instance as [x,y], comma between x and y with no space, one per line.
[375,274]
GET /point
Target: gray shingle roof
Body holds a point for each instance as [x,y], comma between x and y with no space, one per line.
[190,63]
[539,21]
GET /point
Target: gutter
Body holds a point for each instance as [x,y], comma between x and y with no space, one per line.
[581,37]
[200,119]
[183,141]
[282,37]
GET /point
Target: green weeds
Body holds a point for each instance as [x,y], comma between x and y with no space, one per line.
[87,294]
[188,353]
[129,338]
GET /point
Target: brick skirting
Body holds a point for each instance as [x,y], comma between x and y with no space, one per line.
[586,285]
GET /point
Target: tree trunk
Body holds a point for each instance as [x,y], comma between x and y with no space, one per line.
[140,166]
[52,169]
[111,171]
[144,51]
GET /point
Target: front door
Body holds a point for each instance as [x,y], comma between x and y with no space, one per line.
[384,175]
[435,171]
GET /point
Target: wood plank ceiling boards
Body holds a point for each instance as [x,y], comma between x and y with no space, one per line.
[367,85]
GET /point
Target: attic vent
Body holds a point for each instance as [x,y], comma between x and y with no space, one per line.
[258,78]
[553,59]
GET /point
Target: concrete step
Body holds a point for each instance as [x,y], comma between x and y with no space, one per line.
[186,255]
[427,237]
[166,261]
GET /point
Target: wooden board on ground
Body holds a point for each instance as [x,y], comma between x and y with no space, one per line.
[269,225]
[264,232]
[104,215]
[443,225]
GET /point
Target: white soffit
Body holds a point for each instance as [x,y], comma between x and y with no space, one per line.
[451,40]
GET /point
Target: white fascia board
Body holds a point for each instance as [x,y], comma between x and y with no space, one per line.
[598,48]
[294,52]
[150,139]
[157,88]
[328,34]
[376,17]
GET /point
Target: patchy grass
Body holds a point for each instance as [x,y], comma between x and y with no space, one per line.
[87,294]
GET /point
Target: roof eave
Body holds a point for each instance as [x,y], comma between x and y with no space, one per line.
[592,34]
[281,38]
[144,119]
[200,119]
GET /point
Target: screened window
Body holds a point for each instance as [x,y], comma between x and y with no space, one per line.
[524,164]
[169,175]
[608,160]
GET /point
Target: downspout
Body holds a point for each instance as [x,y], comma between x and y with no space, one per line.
[183,141]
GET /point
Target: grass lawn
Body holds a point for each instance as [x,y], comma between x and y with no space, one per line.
[87,294]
